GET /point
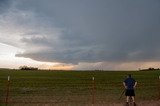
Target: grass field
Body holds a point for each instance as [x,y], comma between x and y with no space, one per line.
[74,87]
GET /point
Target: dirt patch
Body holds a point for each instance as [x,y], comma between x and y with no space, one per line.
[149,103]
[142,103]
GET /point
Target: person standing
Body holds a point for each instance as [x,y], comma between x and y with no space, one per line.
[130,84]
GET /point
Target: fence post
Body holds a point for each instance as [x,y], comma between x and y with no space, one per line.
[159,87]
[7,91]
[93,91]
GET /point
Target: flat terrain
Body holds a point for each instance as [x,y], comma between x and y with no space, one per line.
[75,88]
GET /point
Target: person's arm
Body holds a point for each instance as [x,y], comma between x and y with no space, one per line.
[135,84]
[124,84]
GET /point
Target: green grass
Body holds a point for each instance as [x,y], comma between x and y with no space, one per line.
[75,86]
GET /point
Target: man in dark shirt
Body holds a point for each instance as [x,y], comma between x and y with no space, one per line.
[130,84]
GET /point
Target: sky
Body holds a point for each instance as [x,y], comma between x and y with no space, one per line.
[80,34]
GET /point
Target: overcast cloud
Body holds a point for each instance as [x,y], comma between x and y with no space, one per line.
[83,31]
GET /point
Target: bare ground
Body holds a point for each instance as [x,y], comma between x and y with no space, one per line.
[143,103]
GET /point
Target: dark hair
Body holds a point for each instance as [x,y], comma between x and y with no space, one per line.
[129,75]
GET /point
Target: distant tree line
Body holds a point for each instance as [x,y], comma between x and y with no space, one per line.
[150,69]
[27,68]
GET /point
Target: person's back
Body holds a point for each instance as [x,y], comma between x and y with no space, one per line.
[130,82]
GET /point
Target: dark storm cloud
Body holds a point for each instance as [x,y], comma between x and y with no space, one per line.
[94,30]
[4,5]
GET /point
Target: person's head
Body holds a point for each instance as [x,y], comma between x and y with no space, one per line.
[129,75]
